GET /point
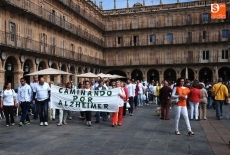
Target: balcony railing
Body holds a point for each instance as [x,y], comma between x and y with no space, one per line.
[195,39]
[163,23]
[164,7]
[15,41]
[163,60]
[76,8]
[30,7]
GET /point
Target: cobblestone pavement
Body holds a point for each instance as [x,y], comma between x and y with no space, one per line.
[144,133]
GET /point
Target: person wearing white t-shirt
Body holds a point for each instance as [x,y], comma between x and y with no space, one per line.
[131,91]
[24,98]
[42,92]
[8,101]
[140,93]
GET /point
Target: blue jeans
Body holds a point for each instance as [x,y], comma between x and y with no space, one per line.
[219,105]
[43,110]
[32,106]
[25,107]
[209,102]
[99,114]
[36,110]
[131,101]
[139,100]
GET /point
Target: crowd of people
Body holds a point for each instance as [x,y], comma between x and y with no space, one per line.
[133,94]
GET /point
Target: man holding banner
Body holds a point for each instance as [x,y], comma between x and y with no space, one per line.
[86,99]
[98,113]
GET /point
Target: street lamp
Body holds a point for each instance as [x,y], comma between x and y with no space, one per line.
[136,74]
[169,73]
[26,69]
[205,72]
[40,68]
[9,67]
[152,73]
[225,72]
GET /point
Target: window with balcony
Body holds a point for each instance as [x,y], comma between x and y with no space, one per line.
[224,54]
[120,40]
[53,16]
[12,31]
[63,48]
[205,55]
[109,26]
[43,42]
[225,33]
[151,22]
[135,23]
[152,38]
[28,33]
[169,37]
[135,40]
[169,20]
[204,35]
[63,21]
[71,47]
[188,19]
[119,24]
[189,37]
[205,17]
[53,44]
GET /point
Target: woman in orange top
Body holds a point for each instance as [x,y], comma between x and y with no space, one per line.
[181,93]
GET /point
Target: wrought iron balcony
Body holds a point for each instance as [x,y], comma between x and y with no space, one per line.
[76,8]
[162,60]
[26,44]
[179,22]
[30,7]
[195,39]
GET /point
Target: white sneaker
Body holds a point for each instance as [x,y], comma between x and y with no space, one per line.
[41,124]
[46,124]
[12,124]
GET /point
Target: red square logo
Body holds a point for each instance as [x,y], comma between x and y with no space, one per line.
[218,11]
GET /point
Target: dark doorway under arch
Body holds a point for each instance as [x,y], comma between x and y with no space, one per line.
[205,75]
[190,74]
[170,75]
[137,74]
[152,74]
[224,73]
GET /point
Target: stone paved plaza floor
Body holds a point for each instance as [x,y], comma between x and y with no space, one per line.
[141,134]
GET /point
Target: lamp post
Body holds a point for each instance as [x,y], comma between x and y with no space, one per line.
[40,68]
[153,74]
[9,67]
[205,73]
[26,68]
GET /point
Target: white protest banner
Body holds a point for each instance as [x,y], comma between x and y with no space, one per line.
[83,100]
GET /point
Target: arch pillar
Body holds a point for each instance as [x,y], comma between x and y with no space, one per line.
[2,77]
[196,76]
[161,77]
[17,76]
[47,78]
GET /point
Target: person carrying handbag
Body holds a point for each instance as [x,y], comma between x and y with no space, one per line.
[220,92]
[8,102]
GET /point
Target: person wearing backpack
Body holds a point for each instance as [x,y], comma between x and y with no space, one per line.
[8,101]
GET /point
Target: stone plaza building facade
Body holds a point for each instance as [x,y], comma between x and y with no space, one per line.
[152,42]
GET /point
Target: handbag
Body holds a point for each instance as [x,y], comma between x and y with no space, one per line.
[127,105]
[214,95]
